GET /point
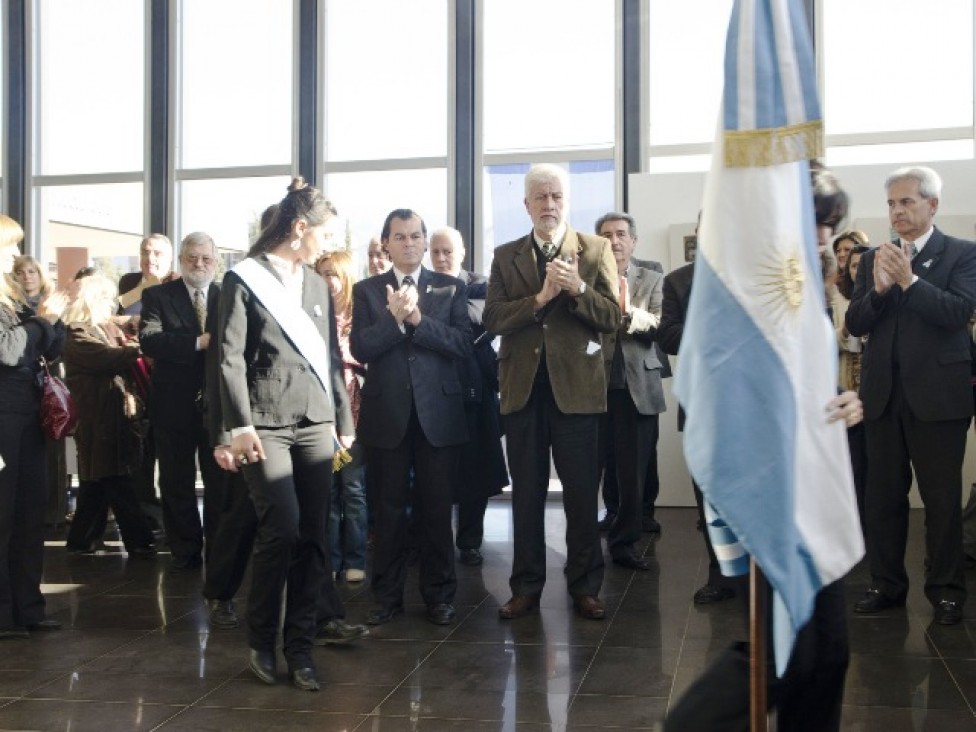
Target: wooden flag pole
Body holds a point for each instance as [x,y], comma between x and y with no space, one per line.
[757,648]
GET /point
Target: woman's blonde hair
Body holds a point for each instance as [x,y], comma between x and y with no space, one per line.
[10,233]
[92,291]
[342,264]
[24,260]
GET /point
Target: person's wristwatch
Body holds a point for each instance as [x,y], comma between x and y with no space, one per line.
[582,288]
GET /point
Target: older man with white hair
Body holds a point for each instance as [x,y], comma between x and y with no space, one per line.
[552,296]
[178,318]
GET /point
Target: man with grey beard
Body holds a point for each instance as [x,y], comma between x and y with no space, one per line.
[178,318]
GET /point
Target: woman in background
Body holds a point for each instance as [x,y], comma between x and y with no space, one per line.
[25,337]
[849,363]
[29,274]
[347,519]
[98,360]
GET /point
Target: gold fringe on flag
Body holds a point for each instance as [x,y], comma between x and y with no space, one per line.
[775,146]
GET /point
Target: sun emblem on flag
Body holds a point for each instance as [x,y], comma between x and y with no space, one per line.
[781,285]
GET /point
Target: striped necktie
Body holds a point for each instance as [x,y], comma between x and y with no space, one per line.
[200,305]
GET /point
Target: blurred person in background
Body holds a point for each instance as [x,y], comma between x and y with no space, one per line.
[347,518]
[29,274]
[482,472]
[25,337]
[98,360]
[378,258]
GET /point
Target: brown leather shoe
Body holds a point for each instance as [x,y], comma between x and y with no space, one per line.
[519,606]
[590,607]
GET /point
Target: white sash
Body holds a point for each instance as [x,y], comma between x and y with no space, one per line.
[296,323]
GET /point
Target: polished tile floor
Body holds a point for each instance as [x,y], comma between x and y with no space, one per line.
[137,654]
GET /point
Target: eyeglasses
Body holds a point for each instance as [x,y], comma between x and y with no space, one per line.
[197,259]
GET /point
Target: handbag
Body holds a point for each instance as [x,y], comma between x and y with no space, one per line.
[58,415]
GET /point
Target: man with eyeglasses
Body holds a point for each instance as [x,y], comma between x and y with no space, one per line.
[177,322]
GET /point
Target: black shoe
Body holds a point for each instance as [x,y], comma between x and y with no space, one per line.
[710,594]
[79,549]
[382,614]
[142,552]
[306,679]
[442,613]
[471,557]
[14,633]
[649,525]
[43,625]
[631,561]
[874,602]
[948,612]
[606,522]
[262,665]
[186,564]
[223,614]
[337,631]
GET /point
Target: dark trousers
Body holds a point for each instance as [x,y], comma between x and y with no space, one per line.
[389,471]
[482,471]
[809,696]
[897,442]
[328,605]
[144,483]
[233,538]
[94,499]
[472,487]
[634,437]
[857,443]
[530,434]
[290,491]
[611,482]
[23,494]
[178,449]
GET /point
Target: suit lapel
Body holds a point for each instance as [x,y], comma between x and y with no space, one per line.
[423,288]
[570,245]
[930,254]
[524,261]
[184,306]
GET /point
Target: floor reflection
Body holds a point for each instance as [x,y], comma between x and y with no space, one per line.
[137,652]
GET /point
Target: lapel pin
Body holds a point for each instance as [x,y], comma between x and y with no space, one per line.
[317,311]
[430,289]
[927,263]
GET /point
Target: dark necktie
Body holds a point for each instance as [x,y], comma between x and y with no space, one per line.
[408,282]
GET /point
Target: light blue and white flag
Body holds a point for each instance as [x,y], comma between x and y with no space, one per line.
[758,361]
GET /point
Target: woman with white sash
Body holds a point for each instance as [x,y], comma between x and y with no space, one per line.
[284,400]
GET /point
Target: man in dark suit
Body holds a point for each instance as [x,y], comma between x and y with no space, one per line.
[635,396]
[177,321]
[913,300]
[674,310]
[621,230]
[482,471]
[552,295]
[410,328]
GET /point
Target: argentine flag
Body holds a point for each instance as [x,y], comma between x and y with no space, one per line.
[758,361]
